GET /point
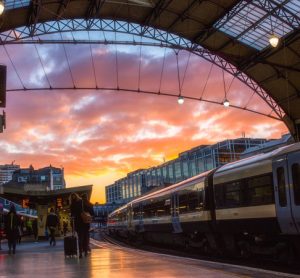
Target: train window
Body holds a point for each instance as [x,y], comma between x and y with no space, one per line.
[219,195]
[296,182]
[260,190]
[232,194]
[183,203]
[193,201]
[136,212]
[281,186]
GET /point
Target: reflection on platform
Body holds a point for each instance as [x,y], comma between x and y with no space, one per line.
[109,261]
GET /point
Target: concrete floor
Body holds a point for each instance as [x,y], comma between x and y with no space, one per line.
[108,261]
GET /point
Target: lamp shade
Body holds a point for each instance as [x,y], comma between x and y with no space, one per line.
[273,40]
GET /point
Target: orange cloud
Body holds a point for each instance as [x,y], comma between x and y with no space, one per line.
[98,137]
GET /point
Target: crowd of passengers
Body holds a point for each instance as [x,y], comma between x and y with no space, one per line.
[14,227]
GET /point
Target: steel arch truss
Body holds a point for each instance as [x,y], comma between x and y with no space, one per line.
[166,39]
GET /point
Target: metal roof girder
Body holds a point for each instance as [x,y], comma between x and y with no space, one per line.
[34,13]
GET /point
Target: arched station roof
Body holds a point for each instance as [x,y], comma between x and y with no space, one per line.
[236,30]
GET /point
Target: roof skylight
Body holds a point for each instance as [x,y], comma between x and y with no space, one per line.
[253,22]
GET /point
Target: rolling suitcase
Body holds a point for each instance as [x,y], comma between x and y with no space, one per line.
[70,244]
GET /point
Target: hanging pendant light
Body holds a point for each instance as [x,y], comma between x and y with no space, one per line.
[1,7]
[274,40]
[180,100]
[226,102]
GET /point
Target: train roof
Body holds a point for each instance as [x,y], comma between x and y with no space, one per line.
[259,157]
[165,189]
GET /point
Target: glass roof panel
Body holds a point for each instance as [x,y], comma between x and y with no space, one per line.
[253,22]
[14,4]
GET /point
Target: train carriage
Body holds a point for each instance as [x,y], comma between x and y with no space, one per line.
[248,206]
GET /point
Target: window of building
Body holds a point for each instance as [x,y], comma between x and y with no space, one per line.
[281,186]
[296,182]
[185,168]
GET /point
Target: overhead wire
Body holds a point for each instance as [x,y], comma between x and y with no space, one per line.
[140,63]
[185,70]
[178,72]
[162,71]
[42,64]
[69,66]
[93,63]
[117,62]
[14,67]
[206,81]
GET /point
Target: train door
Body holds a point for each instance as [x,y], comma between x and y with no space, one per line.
[283,195]
[294,178]
[141,218]
[129,217]
[175,214]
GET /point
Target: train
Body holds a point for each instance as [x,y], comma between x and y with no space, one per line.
[244,208]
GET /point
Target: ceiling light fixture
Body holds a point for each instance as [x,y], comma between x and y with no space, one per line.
[274,40]
[180,100]
[226,102]
[1,7]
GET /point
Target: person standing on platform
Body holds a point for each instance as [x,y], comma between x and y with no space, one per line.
[88,207]
[12,229]
[51,224]
[77,207]
[35,229]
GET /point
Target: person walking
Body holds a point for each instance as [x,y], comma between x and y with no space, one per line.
[77,207]
[51,224]
[12,229]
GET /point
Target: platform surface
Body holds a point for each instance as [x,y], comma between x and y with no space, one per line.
[110,261]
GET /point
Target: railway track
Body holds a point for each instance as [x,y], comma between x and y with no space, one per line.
[260,264]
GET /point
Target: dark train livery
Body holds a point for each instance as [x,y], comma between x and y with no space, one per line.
[251,206]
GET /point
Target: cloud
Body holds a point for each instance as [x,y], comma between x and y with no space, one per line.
[99,136]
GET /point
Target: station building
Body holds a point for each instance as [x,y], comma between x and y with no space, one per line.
[48,178]
[188,164]
[6,172]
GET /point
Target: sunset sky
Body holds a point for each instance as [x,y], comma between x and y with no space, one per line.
[100,136]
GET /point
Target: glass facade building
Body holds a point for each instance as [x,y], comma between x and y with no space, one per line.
[188,164]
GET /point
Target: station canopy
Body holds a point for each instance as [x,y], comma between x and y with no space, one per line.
[238,31]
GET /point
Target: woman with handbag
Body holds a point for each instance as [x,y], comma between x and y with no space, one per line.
[81,222]
[88,207]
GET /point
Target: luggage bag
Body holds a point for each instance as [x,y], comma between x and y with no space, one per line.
[70,243]
[70,246]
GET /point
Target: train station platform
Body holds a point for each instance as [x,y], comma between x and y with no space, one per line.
[111,261]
